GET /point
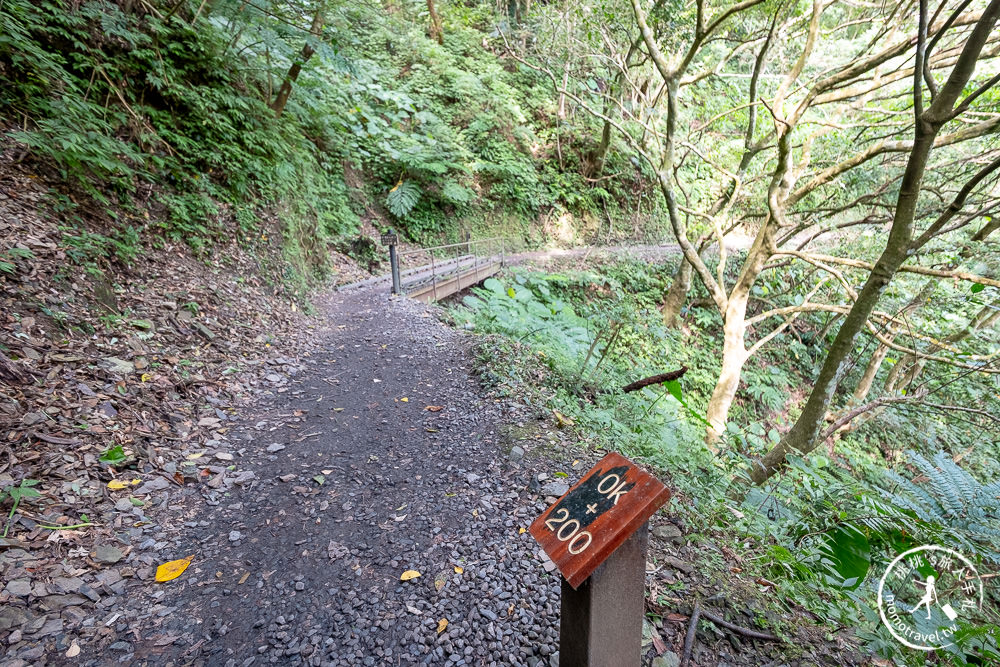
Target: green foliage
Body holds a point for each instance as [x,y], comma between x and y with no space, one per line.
[825,529]
[16,494]
[402,198]
[113,455]
[951,502]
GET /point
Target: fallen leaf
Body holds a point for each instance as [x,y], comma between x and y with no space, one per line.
[475,512]
[434,408]
[243,579]
[442,624]
[319,479]
[196,455]
[115,485]
[173,569]
[404,400]
[521,531]
[409,574]
[562,420]
[441,580]
[74,650]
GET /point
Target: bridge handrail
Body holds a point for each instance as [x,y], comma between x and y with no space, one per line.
[468,244]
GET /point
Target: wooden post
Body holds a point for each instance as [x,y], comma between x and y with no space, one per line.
[597,534]
[601,621]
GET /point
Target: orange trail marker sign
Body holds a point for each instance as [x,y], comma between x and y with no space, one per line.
[596,534]
[597,515]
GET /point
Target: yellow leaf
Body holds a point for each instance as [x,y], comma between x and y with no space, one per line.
[146,377]
[475,512]
[115,485]
[243,579]
[458,570]
[561,419]
[521,531]
[409,574]
[196,455]
[173,569]
[442,624]
[405,399]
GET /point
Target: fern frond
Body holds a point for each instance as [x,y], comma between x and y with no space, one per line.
[402,198]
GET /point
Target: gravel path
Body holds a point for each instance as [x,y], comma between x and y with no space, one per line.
[346,481]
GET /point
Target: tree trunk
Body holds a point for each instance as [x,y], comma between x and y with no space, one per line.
[734,355]
[597,161]
[437,32]
[561,110]
[865,384]
[281,99]
[803,436]
[673,300]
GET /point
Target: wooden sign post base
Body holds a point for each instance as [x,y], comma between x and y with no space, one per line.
[601,621]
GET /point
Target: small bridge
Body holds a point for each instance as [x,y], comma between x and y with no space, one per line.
[431,274]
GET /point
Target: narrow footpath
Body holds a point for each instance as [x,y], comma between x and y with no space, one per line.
[380,457]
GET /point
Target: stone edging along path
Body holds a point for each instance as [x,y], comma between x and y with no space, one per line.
[383,456]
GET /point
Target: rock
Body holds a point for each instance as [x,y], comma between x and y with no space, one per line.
[271,449]
[155,484]
[273,378]
[19,587]
[14,617]
[472,478]
[555,488]
[32,418]
[669,531]
[244,477]
[668,659]
[516,453]
[235,535]
[223,456]
[204,331]
[107,554]
[118,366]
[57,602]
[678,564]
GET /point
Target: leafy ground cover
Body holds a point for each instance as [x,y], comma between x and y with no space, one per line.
[818,538]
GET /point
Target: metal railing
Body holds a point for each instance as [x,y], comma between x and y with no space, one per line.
[424,269]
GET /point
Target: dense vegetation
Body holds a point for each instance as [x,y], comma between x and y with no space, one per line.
[164,114]
[829,526]
[841,397]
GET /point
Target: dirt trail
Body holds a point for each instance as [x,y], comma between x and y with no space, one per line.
[349,478]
